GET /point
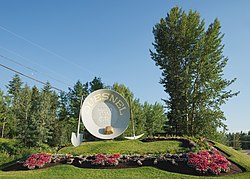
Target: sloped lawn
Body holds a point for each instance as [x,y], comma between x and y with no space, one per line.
[128,147]
[124,147]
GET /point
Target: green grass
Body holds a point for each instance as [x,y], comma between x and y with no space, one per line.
[69,171]
[10,151]
[238,157]
[124,147]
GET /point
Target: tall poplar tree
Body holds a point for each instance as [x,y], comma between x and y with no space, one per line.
[192,62]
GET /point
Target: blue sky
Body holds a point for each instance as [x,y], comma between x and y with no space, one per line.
[65,41]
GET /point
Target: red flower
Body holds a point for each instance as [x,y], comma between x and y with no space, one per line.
[38,160]
[116,156]
[204,162]
[100,156]
[40,163]
[101,159]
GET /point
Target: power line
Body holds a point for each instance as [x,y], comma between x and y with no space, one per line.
[30,61]
[29,68]
[45,49]
[9,59]
[20,73]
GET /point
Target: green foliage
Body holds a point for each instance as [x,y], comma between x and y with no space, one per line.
[192,62]
[219,136]
[3,114]
[154,118]
[11,150]
[234,140]
[14,89]
[23,117]
[96,84]
[245,140]
[148,119]
[135,107]
[200,144]
[138,117]
[45,117]
[48,115]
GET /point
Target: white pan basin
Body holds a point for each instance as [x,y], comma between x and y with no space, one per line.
[104,108]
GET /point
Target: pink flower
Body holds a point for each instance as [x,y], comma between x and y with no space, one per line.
[100,156]
[40,163]
[204,162]
[97,161]
[101,159]
[116,156]
[31,166]
[38,160]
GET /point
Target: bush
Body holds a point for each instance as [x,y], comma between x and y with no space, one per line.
[5,158]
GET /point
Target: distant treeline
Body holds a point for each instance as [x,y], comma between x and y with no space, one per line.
[239,140]
[43,116]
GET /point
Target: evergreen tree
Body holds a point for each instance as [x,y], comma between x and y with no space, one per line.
[14,89]
[8,118]
[236,141]
[33,127]
[96,84]
[23,117]
[192,62]
[63,106]
[65,120]
[245,140]
[3,114]
[74,96]
[49,106]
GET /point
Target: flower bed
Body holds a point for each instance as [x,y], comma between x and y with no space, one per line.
[208,162]
[37,160]
[204,162]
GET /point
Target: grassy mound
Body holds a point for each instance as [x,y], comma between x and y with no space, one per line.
[125,147]
[240,158]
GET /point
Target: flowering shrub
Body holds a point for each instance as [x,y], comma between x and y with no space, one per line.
[205,162]
[38,160]
[199,143]
[109,160]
